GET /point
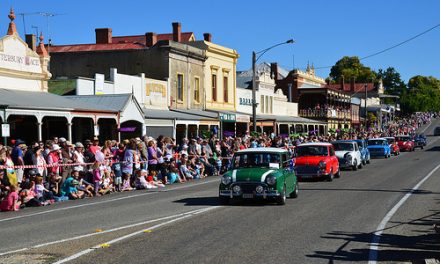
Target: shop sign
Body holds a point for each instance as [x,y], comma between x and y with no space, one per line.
[127,129]
[245,101]
[242,118]
[6,130]
[226,117]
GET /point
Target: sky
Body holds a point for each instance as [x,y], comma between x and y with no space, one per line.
[324,30]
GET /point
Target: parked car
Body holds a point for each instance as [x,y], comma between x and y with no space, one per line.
[316,160]
[437,131]
[348,154]
[405,143]
[420,141]
[379,147]
[395,150]
[259,173]
[365,153]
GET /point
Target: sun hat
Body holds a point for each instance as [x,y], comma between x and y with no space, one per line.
[55,147]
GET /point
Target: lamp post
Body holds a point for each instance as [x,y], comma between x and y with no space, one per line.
[254,88]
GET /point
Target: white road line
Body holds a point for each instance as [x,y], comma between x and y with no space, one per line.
[194,212]
[106,201]
[372,258]
[84,252]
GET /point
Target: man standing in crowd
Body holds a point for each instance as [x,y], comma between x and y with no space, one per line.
[17,158]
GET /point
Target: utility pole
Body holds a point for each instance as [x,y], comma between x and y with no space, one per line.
[365,105]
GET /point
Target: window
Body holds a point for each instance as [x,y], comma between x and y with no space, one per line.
[225,89]
[180,87]
[214,87]
[197,90]
[262,104]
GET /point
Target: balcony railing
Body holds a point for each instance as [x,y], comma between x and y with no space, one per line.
[325,114]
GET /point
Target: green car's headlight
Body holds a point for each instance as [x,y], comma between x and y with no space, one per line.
[271,180]
[226,180]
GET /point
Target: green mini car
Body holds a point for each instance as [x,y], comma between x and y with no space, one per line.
[259,173]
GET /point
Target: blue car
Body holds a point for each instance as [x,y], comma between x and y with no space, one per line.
[379,147]
[365,153]
[420,141]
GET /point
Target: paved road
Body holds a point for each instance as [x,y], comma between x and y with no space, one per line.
[330,222]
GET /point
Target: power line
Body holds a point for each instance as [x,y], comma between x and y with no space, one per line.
[389,48]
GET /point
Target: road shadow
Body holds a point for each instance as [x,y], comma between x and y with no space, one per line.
[423,243]
[436,148]
[208,201]
[213,201]
[369,190]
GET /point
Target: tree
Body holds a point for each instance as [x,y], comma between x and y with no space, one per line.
[423,95]
[351,67]
[391,81]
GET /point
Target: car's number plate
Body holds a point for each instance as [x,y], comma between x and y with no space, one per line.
[248,195]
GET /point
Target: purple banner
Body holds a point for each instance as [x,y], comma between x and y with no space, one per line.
[127,129]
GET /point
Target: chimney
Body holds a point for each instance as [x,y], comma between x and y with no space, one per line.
[31,41]
[207,37]
[274,70]
[352,83]
[342,82]
[177,32]
[150,39]
[103,35]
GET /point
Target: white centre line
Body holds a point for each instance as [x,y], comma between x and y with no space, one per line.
[108,243]
[106,201]
[372,258]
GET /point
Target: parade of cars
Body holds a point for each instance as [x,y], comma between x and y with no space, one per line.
[272,174]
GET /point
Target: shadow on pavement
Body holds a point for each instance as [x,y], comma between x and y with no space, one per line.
[436,148]
[368,190]
[393,247]
[199,201]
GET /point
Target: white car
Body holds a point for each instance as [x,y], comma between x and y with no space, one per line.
[348,154]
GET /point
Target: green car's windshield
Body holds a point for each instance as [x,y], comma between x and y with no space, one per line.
[311,151]
[343,146]
[256,160]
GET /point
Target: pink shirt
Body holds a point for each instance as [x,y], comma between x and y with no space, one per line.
[8,202]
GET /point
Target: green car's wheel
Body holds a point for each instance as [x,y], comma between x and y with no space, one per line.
[223,200]
[281,200]
[294,194]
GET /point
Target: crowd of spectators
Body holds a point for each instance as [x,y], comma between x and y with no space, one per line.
[56,170]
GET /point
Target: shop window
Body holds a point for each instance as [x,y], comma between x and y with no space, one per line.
[197,90]
[214,87]
[180,87]
[225,89]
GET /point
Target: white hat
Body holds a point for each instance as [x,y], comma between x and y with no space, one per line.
[55,147]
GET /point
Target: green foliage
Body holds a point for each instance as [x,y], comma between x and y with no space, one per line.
[391,80]
[423,95]
[351,67]
[255,134]
[205,134]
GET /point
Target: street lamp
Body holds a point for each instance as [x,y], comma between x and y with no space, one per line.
[254,61]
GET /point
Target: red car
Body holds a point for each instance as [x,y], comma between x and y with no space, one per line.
[394,147]
[405,143]
[316,160]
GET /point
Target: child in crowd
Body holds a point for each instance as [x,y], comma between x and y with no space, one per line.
[141,181]
[106,185]
[152,178]
[126,186]
[11,201]
[41,193]
[96,177]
